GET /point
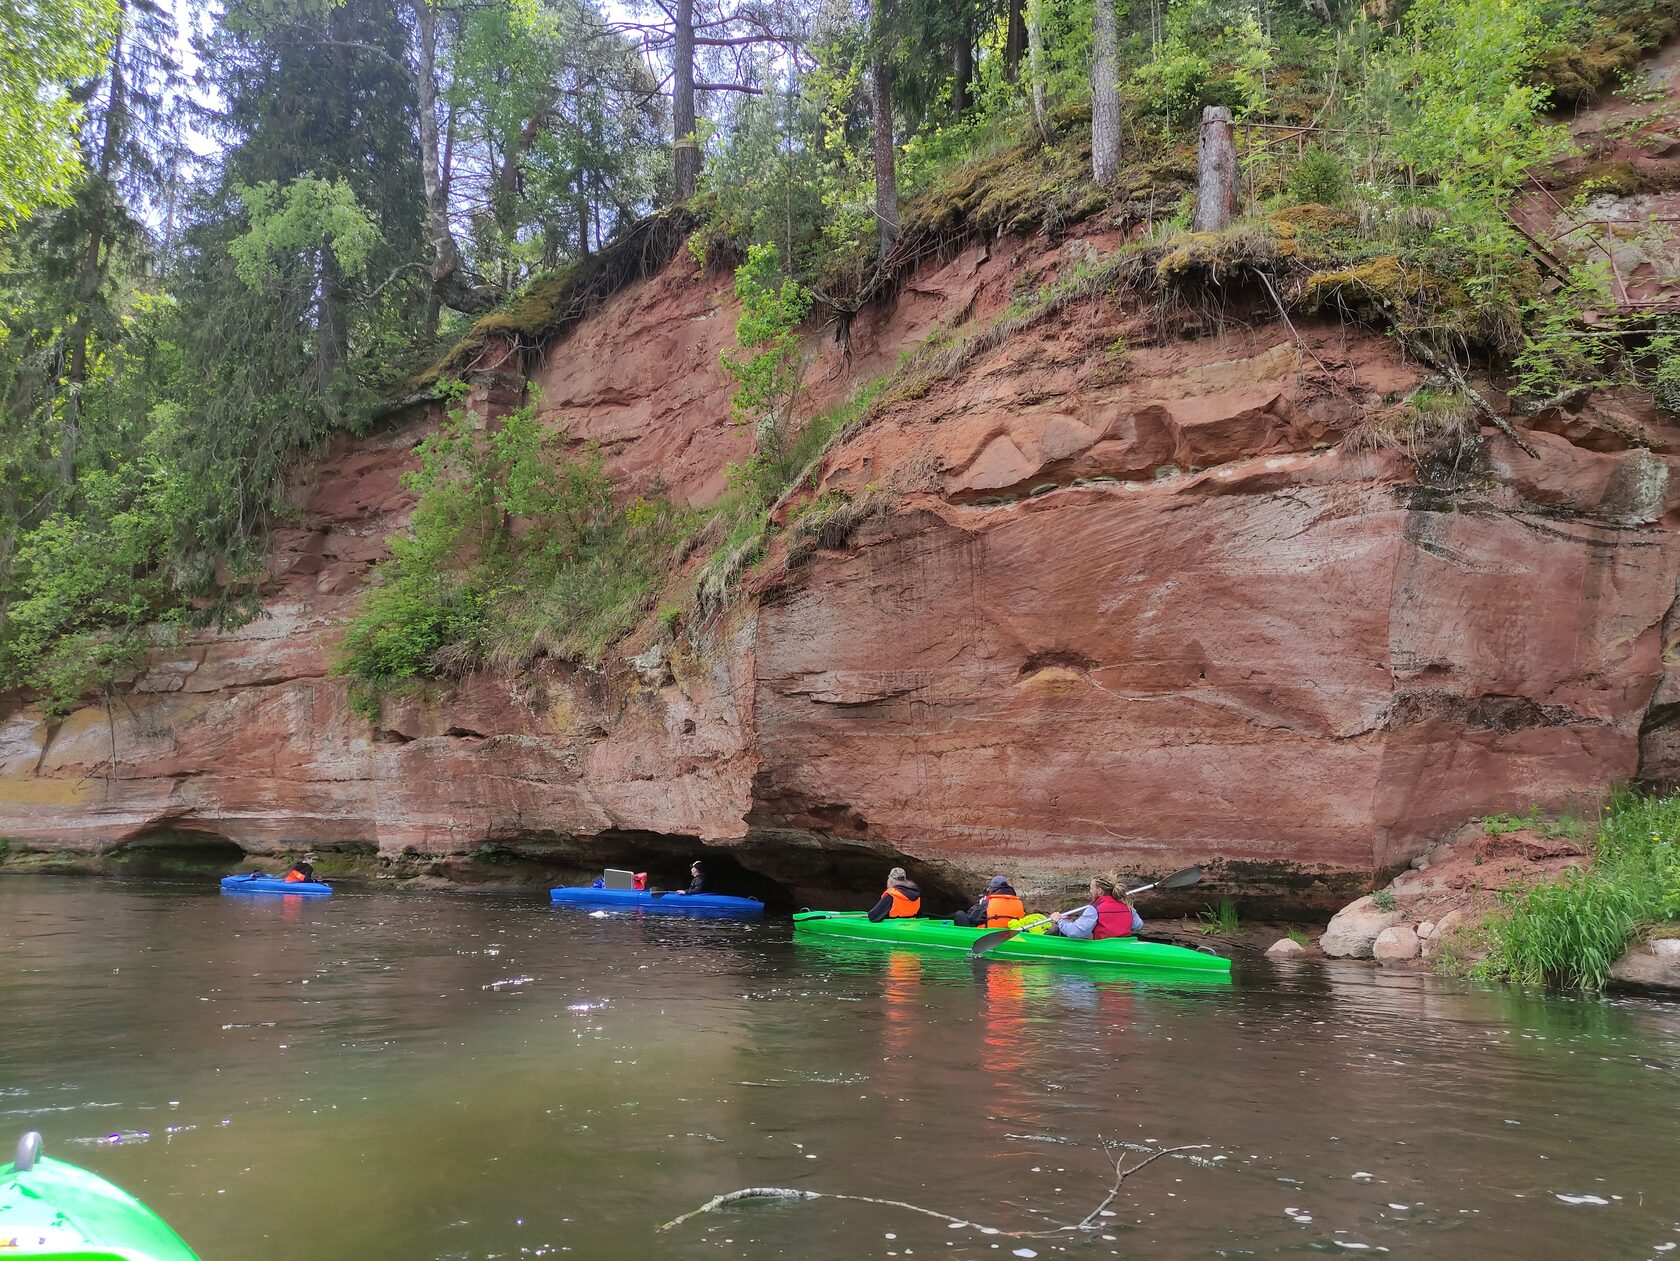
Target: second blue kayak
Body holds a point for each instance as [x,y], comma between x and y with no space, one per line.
[274,884]
[646,900]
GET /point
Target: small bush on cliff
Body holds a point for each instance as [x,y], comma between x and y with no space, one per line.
[1569,932]
[514,546]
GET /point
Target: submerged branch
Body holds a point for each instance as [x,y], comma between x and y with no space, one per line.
[792,1193]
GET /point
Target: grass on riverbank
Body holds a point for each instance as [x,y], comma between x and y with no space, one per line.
[1569,932]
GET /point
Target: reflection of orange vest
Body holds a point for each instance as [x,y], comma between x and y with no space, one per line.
[1001,908]
[295,877]
[903,906]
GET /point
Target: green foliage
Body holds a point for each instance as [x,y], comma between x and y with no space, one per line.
[514,547]
[1297,935]
[767,375]
[1383,900]
[47,47]
[1320,179]
[1220,919]
[1570,931]
[303,216]
[1500,824]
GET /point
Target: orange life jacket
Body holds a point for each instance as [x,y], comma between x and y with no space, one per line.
[294,876]
[903,906]
[1001,908]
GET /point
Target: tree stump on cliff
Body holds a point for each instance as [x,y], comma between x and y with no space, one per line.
[1216,171]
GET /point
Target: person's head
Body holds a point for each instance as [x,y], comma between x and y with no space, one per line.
[897,877]
[694,868]
[1107,885]
[996,883]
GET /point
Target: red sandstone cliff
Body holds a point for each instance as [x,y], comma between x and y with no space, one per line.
[1129,611]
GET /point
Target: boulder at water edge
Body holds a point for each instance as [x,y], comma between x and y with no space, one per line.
[1398,944]
[1656,963]
[1285,948]
[1353,932]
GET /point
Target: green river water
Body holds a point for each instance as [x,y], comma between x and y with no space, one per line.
[384,1075]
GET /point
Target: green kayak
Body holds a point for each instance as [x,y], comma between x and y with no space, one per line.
[1154,957]
[52,1209]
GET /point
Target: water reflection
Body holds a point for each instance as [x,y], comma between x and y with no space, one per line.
[478,1077]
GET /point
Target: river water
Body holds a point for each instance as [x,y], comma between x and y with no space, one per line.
[386,1075]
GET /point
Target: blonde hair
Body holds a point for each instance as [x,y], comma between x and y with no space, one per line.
[1109,882]
[897,876]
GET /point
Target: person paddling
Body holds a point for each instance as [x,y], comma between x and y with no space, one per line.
[998,907]
[901,900]
[1107,914]
[696,881]
[301,873]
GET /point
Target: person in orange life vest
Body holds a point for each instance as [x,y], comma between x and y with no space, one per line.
[996,907]
[902,899]
[1107,914]
[301,873]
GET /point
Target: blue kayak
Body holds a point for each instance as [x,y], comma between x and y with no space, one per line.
[645,900]
[274,884]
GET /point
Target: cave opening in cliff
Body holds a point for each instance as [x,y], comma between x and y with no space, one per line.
[167,849]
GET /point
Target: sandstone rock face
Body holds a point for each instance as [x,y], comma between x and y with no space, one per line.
[1353,932]
[1135,614]
[1398,944]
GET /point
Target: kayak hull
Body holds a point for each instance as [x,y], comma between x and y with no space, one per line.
[274,884]
[644,900]
[932,934]
[61,1211]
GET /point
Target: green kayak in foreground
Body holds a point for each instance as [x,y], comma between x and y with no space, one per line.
[52,1209]
[1154,957]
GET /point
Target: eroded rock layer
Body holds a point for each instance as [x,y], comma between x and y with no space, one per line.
[1128,599]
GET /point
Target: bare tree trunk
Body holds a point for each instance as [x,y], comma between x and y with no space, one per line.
[92,271]
[1036,67]
[962,68]
[686,142]
[583,214]
[449,288]
[1014,40]
[1105,92]
[1216,171]
[886,173]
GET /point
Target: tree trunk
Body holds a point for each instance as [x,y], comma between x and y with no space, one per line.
[1105,92]
[886,174]
[449,287]
[1014,40]
[962,68]
[1216,172]
[1036,67]
[91,274]
[686,143]
[583,213]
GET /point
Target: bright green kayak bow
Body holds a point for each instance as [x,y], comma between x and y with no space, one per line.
[52,1209]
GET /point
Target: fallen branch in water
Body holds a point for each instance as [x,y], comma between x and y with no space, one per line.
[793,1193]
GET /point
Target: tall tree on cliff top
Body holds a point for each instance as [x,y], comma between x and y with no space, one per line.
[880,95]
[1105,91]
[708,46]
[45,51]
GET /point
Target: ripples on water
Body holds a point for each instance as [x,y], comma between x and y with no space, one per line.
[419,1076]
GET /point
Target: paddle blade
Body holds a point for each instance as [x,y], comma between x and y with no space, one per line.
[990,941]
[1182,879]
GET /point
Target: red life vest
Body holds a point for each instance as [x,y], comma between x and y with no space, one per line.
[294,876]
[1001,908]
[1114,918]
[903,906]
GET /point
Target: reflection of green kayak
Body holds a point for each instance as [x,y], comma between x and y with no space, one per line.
[1154,957]
[51,1209]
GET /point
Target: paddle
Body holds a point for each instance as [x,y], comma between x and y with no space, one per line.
[1178,880]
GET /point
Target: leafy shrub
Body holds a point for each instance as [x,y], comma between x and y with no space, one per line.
[1320,178]
[1570,931]
[1383,900]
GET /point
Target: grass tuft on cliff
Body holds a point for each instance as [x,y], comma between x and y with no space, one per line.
[1571,931]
